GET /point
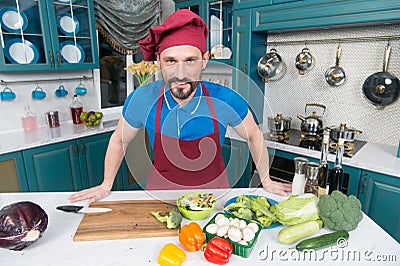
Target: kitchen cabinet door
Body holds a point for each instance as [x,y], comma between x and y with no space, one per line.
[13,176]
[53,167]
[92,154]
[236,157]
[323,13]
[50,35]
[380,197]
[247,50]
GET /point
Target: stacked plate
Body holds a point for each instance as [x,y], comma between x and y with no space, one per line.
[20,51]
[72,52]
[68,24]
[12,20]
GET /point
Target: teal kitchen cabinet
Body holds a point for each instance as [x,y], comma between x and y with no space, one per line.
[69,165]
[246,53]
[380,197]
[237,161]
[218,17]
[52,35]
[323,13]
[13,176]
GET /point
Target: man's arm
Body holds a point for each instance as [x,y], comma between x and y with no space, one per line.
[249,131]
[119,140]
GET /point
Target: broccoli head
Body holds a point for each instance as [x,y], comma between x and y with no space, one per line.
[340,212]
[172,218]
[243,213]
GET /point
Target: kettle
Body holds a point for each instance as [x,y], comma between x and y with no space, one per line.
[312,124]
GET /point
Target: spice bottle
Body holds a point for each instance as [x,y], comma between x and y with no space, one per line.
[311,185]
[323,167]
[299,178]
[76,110]
[29,120]
[336,174]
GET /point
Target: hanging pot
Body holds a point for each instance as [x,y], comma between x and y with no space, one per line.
[279,123]
[342,132]
[304,61]
[312,124]
[382,88]
[335,75]
[271,66]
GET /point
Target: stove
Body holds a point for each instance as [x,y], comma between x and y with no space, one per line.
[313,142]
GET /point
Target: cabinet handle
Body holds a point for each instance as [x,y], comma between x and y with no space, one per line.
[75,150]
[58,59]
[245,68]
[364,184]
[51,59]
[83,148]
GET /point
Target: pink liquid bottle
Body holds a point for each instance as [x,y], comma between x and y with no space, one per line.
[29,120]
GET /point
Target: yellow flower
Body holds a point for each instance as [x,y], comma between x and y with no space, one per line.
[142,71]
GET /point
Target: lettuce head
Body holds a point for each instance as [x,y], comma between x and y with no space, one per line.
[296,209]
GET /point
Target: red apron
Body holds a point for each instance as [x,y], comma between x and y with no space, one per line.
[187,164]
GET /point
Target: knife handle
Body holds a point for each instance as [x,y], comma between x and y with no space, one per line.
[69,208]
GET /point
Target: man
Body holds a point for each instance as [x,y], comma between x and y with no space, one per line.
[185,118]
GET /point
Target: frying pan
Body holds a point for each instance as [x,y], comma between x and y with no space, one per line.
[382,88]
[335,75]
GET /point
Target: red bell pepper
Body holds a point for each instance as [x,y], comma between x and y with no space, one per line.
[218,251]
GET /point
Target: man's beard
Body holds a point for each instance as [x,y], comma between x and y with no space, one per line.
[179,93]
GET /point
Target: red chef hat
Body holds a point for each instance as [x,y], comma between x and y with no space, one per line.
[181,28]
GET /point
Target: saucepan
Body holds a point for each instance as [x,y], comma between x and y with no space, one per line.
[304,61]
[335,75]
[279,123]
[271,66]
[382,88]
[342,132]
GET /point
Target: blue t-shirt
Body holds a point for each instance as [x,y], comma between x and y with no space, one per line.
[188,122]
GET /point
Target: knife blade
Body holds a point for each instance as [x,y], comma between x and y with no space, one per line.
[81,209]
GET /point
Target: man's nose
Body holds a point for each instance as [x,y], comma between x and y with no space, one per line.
[180,71]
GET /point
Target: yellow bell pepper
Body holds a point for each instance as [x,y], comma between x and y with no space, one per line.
[171,255]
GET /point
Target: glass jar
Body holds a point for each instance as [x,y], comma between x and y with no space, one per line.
[52,119]
[311,185]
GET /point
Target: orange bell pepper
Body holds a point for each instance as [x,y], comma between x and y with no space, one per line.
[192,237]
[171,255]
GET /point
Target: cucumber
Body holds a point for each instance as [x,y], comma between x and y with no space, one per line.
[322,241]
[296,232]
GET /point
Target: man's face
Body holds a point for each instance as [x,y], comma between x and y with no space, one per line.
[181,68]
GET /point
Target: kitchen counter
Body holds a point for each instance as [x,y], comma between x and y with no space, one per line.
[367,244]
[374,157]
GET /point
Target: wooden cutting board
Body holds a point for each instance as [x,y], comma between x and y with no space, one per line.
[128,219]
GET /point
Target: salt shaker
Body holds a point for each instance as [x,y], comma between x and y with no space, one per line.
[311,186]
[299,178]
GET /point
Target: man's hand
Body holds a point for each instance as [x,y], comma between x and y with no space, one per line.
[276,187]
[92,194]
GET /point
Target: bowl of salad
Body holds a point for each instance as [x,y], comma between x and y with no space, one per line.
[196,205]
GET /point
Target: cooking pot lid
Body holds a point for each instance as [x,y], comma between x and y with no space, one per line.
[342,128]
[280,117]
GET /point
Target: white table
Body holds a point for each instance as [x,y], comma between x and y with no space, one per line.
[367,243]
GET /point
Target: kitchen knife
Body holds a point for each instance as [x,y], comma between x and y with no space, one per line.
[81,209]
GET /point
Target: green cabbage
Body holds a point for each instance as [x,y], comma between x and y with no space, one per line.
[296,209]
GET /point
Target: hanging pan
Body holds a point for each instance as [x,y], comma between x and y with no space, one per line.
[382,88]
[335,75]
[271,66]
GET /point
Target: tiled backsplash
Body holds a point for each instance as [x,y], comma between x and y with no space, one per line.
[345,103]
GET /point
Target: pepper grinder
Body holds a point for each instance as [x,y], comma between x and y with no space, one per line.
[312,170]
[299,178]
